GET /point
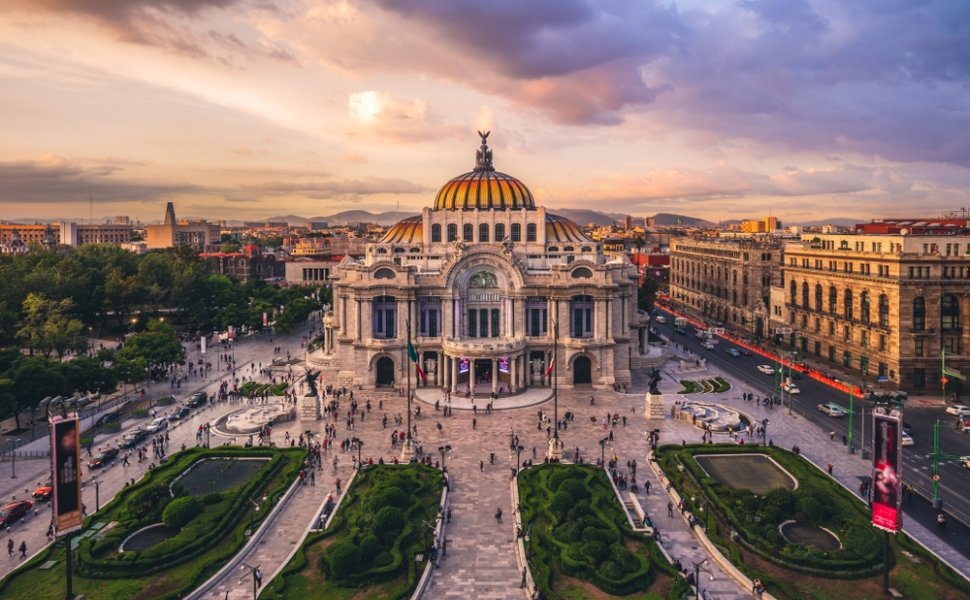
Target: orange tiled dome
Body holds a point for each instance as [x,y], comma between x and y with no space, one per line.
[406,231]
[484,188]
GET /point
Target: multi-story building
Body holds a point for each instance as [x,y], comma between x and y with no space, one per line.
[766,225]
[727,280]
[67,233]
[884,305]
[173,233]
[485,278]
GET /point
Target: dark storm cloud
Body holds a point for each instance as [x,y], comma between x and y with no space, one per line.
[58,181]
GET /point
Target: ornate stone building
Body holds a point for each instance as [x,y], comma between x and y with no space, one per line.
[483,277]
[726,279]
[885,306]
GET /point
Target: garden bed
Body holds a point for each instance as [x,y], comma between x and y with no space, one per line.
[579,541]
[211,529]
[370,549]
[747,527]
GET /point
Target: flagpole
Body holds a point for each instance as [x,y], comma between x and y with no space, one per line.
[555,378]
[407,362]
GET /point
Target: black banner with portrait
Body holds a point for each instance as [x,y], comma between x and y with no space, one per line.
[66,456]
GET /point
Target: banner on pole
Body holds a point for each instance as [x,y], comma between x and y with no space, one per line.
[886,472]
[202,344]
[66,453]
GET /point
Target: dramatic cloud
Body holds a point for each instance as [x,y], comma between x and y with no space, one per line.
[55,180]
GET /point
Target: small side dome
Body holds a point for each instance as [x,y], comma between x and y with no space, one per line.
[406,231]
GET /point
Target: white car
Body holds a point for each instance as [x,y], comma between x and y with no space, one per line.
[907,440]
[965,461]
[157,425]
[660,319]
[958,409]
[831,410]
[766,369]
[791,388]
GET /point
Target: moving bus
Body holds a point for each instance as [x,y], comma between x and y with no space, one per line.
[680,325]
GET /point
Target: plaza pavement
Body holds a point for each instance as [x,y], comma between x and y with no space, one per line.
[479,560]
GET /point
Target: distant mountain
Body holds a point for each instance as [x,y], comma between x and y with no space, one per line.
[584,217]
[839,221]
[350,216]
[669,220]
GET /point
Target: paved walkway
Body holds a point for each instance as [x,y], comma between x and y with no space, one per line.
[524,399]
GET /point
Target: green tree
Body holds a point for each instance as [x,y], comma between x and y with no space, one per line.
[48,327]
[34,379]
[157,346]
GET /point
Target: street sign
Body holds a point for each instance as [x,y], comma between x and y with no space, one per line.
[936,476]
[783,330]
[716,331]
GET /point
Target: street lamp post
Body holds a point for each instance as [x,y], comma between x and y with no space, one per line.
[444,450]
[252,514]
[97,494]
[257,578]
[698,567]
[603,450]
[518,457]
[13,459]
[360,465]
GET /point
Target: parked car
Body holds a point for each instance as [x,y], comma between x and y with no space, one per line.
[198,399]
[44,492]
[832,410]
[965,461]
[181,413]
[131,439]
[14,511]
[156,425]
[733,352]
[791,388]
[907,440]
[766,369]
[102,458]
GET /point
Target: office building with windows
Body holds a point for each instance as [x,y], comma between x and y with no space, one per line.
[485,278]
[887,306]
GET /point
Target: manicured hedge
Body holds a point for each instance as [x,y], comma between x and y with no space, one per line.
[577,528]
[373,539]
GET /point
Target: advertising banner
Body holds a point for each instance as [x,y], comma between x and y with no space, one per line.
[202,342]
[503,364]
[265,319]
[463,365]
[66,454]
[886,472]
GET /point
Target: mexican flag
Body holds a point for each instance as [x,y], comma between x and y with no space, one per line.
[552,365]
[413,355]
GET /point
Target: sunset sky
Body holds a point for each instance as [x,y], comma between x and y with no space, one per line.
[255,108]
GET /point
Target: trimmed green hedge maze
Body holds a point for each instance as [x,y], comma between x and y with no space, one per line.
[210,531]
[370,547]
[576,528]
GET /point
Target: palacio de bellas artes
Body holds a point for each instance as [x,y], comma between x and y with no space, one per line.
[489,290]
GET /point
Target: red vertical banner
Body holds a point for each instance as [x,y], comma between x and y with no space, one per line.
[887,480]
[66,456]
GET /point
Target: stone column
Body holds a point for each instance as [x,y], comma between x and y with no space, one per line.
[513,373]
[494,376]
[454,374]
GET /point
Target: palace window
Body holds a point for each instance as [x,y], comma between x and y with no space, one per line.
[949,313]
[483,232]
[581,316]
[530,232]
[536,314]
[429,314]
[435,233]
[452,232]
[385,318]
[500,232]
[468,233]
[516,232]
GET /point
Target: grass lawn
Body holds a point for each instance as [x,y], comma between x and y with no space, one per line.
[369,551]
[174,567]
[755,472]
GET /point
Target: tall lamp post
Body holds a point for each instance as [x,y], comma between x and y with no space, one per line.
[97,493]
[698,567]
[13,458]
[603,451]
[444,450]
[252,514]
[555,444]
[518,457]
[257,574]
[360,444]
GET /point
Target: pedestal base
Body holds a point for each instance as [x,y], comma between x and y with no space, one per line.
[555,449]
[407,450]
[309,408]
[654,406]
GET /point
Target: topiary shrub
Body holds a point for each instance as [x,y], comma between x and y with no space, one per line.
[180,511]
[212,498]
[388,522]
[342,559]
[370,547]
[391,496]
[574,488]
[561,502]
[147,501]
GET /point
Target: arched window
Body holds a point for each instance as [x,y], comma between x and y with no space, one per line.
[499,232]
[833,299]
[883,310]
[919,313]
[805,294]
[452,232]
[483,232]
[864,307]
[847,304]
[530,232]
[949,312]
[468,232]
[581,316]
[818,297]
[435,233]
[516,232]
[793,289]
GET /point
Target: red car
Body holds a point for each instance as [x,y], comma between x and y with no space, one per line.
[44,492]
[14,511]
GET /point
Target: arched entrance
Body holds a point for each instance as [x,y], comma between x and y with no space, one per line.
[385,372]
[582,371]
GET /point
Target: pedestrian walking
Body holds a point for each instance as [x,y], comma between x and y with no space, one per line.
[829,468]
[670,508]
[10,548]
[23,547]
[481,466]
[646,486]
[498,515]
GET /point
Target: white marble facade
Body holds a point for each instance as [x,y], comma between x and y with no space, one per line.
[483,277]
